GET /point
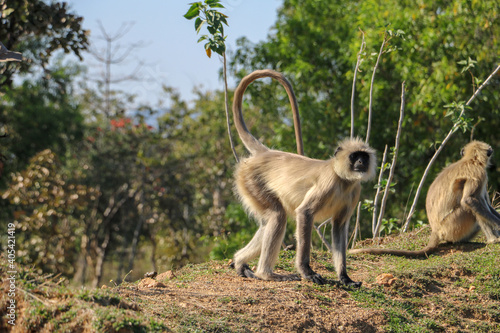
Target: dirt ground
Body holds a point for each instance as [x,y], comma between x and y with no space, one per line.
[263,306]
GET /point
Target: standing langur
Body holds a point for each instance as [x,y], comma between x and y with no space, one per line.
[457,203]
[272,184]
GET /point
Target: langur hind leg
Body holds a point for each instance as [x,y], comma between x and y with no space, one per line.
[339,248]
[458,226]
[249,252]
[272,238]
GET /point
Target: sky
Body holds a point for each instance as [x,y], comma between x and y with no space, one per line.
[170,53]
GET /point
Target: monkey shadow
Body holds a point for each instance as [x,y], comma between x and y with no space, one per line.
[449,248]
[338,284]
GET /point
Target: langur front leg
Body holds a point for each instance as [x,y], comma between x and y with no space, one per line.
[303,235]
[340,232]
[496,232]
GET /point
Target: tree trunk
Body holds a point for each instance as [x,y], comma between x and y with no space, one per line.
[101,254]
[81,263]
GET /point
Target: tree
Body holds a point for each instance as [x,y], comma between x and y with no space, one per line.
[47,209]
[110,55]
[140,196]
[42,114]
[38,30]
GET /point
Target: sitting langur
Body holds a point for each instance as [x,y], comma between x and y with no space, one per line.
[272,184]
[457,203]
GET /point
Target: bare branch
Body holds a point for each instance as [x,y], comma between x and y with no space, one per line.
[327,244]
[118,59]
[113,54]
[322,236]
[6,55]
[358,62]
[482,86]
[122,31]
[368,130]
[377,194]
[227,108]
[325,222]
[394,161]
[131,77]
[356,227]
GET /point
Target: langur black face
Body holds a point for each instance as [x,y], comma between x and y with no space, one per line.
[360,161]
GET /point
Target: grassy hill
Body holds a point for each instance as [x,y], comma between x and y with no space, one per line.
[455,290]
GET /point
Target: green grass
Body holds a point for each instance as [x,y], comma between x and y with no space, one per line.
[443,280]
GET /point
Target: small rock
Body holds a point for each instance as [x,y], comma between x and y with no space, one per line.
[385,279]
[168,275]
[149,283]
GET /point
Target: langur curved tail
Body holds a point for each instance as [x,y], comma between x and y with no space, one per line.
[252,144]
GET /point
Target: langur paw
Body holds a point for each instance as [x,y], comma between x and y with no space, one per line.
[279,277]
[316,278]
[494,241]
[346,281]
[291,277]
[245,271]
[354,284]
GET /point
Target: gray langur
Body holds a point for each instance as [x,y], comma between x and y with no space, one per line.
[457,203]
[273,184]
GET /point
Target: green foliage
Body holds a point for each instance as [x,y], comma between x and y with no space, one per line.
[238,231]
[140,180]
[46,208]
[467,64]
[38,29]
[205,13]
[389,226]
[42,114]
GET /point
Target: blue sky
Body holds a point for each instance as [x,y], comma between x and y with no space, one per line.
[170,52]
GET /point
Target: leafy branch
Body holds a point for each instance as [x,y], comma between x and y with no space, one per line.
[456,111]
[467,65]
[205,13]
